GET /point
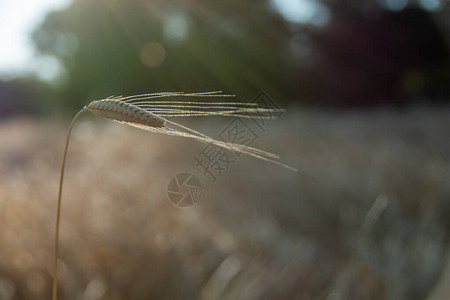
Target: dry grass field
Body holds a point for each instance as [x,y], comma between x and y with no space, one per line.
[365,217]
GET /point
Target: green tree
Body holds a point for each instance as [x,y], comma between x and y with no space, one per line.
[126,47]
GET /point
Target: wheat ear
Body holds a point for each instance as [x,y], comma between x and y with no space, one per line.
[139,111]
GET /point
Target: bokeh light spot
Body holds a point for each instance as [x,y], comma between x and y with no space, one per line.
[303,11]
[49,68]
[394,5]
[7,289]
[153,54]
[432,5]
[95,289]
[176,26]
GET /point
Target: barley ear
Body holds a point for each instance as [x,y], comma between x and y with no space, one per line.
[58,209]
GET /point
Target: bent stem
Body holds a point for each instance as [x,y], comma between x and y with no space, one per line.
[58,209]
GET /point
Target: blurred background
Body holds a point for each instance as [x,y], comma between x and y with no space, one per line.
[366,88]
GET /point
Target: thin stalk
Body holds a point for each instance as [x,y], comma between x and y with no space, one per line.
[58,210]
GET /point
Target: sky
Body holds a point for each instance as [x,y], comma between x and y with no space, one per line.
[18,18]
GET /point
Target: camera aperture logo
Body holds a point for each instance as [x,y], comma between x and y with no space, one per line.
[184,190]
[215,161]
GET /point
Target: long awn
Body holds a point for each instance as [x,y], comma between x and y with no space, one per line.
[148,113]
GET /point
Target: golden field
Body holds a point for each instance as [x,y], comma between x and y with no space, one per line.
[365,217]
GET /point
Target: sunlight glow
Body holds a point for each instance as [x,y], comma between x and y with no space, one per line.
[18,19]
